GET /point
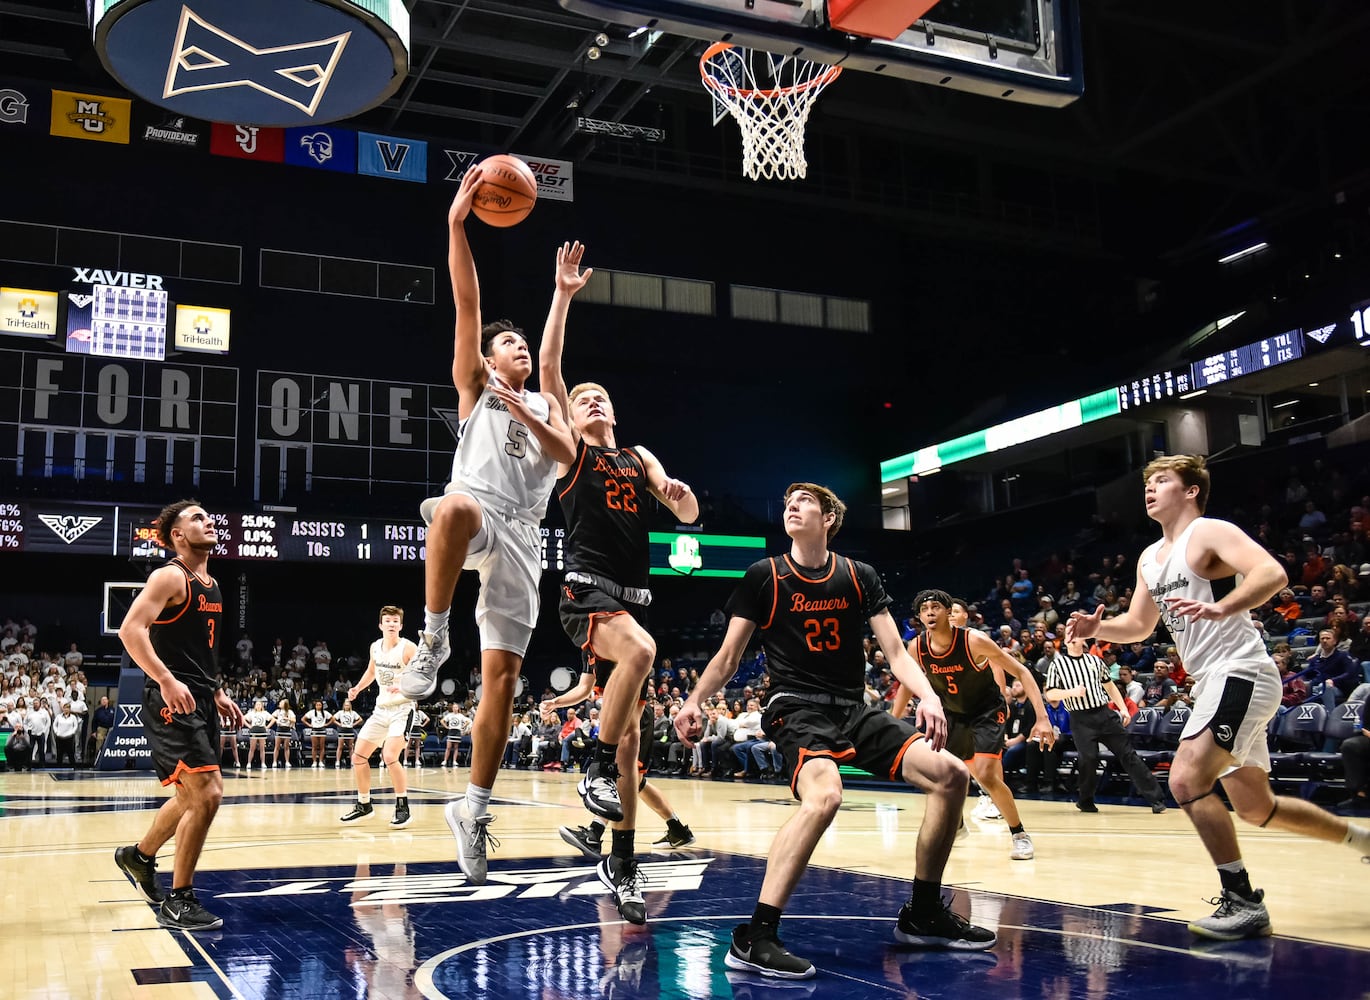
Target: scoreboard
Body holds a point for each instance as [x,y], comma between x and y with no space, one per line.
[270,536]
[1251,358]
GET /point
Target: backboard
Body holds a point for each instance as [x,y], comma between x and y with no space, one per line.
[1016,50]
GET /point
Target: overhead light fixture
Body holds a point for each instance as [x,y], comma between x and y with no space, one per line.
[1229,319]
[888,490]
[1312,385]
[601,39]
[593,53]
[934,471]
[1254,248]
[1191,395]
[1287,402]
[637,31]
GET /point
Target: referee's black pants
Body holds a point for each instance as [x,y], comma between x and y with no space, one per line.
[1101,725]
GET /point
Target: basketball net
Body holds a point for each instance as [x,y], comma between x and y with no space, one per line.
[769,96]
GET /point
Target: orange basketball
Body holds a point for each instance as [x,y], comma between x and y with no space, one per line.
[506,192]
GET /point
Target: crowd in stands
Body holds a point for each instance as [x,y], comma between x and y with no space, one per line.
[44,716]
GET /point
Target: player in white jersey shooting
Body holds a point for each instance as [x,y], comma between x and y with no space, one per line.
[1237,689]
[508,446]
[390,722]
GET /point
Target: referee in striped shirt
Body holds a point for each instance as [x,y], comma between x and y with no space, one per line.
[1081,680]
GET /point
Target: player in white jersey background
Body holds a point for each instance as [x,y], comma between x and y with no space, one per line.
[1237,689]
[390,721]
[508,446]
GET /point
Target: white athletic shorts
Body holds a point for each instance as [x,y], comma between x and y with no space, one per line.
[393,721]
[1237,706]
[507,553]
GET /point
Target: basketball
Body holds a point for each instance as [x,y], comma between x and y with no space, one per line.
[507,191]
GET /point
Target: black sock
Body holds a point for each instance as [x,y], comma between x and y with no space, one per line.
[1016,829]
[597,829]
[606,754]
[184,890]
[402,800]
[764,917]
[925,895]
[674,824]
[623,845]
[1238,882]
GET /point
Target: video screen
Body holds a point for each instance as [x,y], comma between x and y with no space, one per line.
[115,321]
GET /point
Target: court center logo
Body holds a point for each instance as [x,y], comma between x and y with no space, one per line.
[14,107]
[685,875]
[69,527]
[205,57]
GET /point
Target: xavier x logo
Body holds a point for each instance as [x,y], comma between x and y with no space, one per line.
[130,715]
[205,57]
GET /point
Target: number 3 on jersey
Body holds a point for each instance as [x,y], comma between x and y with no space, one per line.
[821,635]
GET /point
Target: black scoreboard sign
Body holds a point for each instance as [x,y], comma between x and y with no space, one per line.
[401,432]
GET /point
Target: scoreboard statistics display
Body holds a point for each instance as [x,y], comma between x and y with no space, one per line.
[1249,359]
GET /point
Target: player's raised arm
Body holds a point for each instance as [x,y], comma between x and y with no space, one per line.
[674,493]
[1133,625]
[164,587]
[982,645]
[912,680]
[569,280]
[468,366]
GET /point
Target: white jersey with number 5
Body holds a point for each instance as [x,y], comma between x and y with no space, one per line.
[389,665]
[499,459]
[1229,645]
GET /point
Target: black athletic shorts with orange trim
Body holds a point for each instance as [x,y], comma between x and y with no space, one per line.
[583,605]
[858,735]
[181,743]
[978,735]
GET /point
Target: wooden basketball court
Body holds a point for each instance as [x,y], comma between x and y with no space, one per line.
[313,908]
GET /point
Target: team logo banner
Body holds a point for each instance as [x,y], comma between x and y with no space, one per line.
[556,181]
[159,127]
[200,328]
[322,149]
[25,312]
[76,530]
[91,116]
[22,105]
[392,157]
[248,142]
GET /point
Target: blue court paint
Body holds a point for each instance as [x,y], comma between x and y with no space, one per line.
[546,928]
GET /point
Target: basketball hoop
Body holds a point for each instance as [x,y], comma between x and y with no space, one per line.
[771,110]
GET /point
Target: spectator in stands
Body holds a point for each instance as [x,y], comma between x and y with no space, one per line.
[1045,614]
[40,728]
[1318,605]
[73,659]
[1021,717]
[1343,583]
[101,721]
[1295,688]
[1360,646]
[1069,599]
[1007,641]
[1314,521]
[242,651]
[19,749]
[1355,755]
[574,743]
[1316,568]
[1008,617]
[1288,606]
[746,734]
[1128,685]
[66,729]
[1160,688]
[1338,671]
[1343,622]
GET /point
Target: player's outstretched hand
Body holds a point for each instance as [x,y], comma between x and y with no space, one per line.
[518,407]
[228,707]
[1082,626]
[689,723]
[570,278]
[1194,610]
[932,721]
[466,191]
[1045,732]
